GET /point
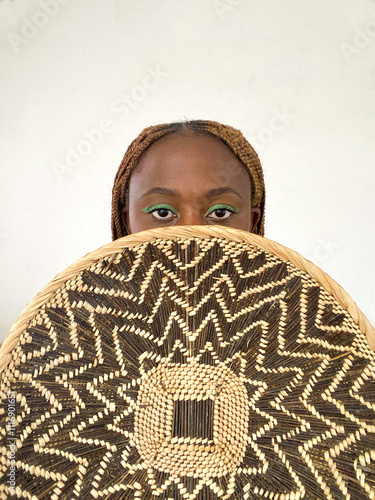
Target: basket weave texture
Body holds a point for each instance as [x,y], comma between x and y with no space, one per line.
[204,364]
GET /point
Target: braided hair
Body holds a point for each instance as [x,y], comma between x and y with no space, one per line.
[230,136]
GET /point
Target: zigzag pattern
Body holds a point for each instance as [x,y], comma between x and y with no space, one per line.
[101,370]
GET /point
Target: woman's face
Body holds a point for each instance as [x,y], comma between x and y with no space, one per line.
[187,179]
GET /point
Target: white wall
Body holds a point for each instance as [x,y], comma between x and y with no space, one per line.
[239,62]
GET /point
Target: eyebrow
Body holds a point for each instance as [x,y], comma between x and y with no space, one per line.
[221,190]
[210,194]
[160,190]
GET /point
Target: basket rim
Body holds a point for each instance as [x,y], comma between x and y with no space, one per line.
[186,232]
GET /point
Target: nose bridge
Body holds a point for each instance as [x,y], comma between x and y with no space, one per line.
[191,217]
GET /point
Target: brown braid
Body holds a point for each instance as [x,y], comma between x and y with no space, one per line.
[231,137]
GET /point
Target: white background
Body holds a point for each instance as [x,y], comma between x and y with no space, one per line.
[69,65]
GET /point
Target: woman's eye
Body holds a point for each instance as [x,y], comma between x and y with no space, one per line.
[221,212]
[161,212]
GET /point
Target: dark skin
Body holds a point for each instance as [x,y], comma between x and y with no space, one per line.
[187,179]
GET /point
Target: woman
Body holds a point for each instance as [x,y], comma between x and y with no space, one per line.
[195,172]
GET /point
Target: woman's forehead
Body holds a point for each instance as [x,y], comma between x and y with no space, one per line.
[184,155]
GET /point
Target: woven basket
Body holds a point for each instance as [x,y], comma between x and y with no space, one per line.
[209,363]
